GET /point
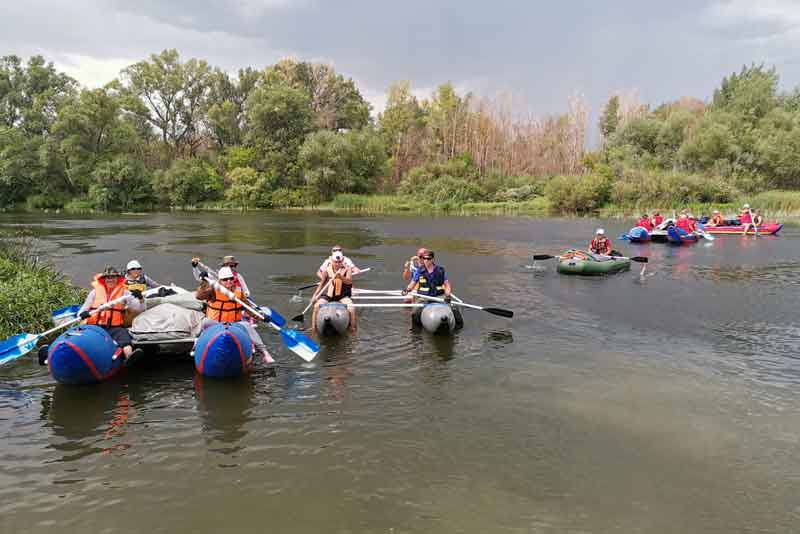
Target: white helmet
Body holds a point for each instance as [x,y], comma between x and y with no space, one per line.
[600,231]
[746,206]
[133,264]
[225,272]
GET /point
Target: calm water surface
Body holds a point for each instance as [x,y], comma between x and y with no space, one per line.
[663,402]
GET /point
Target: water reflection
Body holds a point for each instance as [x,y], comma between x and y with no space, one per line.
[89,419]
[225,408]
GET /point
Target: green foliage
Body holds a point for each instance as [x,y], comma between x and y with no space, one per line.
[418,177]
[335,102]
[577,194]
[609,120]
[279,117]
[121,184]
[29,288]
[342,163]
[749,95]
[643,189]
[188,182]
[239,156]
[247,187]
[283,197]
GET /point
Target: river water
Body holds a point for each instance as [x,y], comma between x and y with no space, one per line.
[654,403]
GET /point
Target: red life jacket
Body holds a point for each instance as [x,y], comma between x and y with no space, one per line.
[600,245]
[745,218]
[645,223]
[658,219]
[113,316]
[684,224]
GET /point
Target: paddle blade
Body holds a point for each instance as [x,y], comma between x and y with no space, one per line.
[640,259]
[272,315]
[16,346]
[298,318]
[299,343]
[499,311]
[537,257]
[67,312]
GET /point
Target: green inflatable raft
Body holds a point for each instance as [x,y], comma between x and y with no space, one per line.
[580,262]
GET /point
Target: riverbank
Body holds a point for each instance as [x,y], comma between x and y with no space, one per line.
[783,206]
[30,288]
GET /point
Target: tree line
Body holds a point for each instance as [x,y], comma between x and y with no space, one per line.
[175,133]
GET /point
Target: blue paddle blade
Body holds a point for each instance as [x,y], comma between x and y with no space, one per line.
[272,315]
[67,312]
[299,343]
[16,346]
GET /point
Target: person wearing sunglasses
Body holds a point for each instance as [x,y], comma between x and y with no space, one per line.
[221,309]
[325,264]
[340,288]
[413,264]
[199,269]
[431,279]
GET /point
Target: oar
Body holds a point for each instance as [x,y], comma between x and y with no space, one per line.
[21,344]
[701,230]
[388,305]
[494,311]
[309,286]
[299,318]
[638,259]
[295,341]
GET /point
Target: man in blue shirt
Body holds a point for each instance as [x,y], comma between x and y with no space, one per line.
[431,279]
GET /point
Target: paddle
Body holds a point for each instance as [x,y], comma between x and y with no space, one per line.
[309,286]
[701,231]
[299,318]
[494,311]
[67,312]
[638,259]
[295,341]
[21,344]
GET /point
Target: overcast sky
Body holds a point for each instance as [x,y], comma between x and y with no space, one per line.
[540,51]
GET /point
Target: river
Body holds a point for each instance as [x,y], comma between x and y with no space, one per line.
[660,402]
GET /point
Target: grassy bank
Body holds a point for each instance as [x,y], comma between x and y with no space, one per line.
[30,288]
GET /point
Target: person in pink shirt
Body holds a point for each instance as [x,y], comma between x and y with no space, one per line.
[657,219]
[746,219]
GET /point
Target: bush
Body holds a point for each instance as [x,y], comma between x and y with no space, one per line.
[29,288]
[121,184]
[188,182]
[577,194]
[51,201]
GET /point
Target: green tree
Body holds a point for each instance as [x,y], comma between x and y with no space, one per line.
[278,118]
[335,102]
[121,184]
[171,96]
[225,117]
[750,95]
[445,115]
[343,163]
[90,130]
[247,187]
[402,125]
[609,120]
[188,182]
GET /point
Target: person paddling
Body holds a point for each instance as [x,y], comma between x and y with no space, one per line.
[431,280]
[221,309]
[644,222]
[684,223]
[227,261]
[746,218]
[347,262]
[336,285]
[107,286]
[600,244]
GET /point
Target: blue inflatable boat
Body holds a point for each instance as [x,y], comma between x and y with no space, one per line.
[679,236]
[223,350]
[83,355]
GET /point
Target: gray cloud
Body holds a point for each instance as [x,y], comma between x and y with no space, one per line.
[540,51]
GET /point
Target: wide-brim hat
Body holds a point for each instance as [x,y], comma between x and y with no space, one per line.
[228,260]
[110,270]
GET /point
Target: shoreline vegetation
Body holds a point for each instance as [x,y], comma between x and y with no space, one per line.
[30,288]
[174,134]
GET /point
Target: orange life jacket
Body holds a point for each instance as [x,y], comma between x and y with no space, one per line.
[114,316]
[223,309]
[338,288]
